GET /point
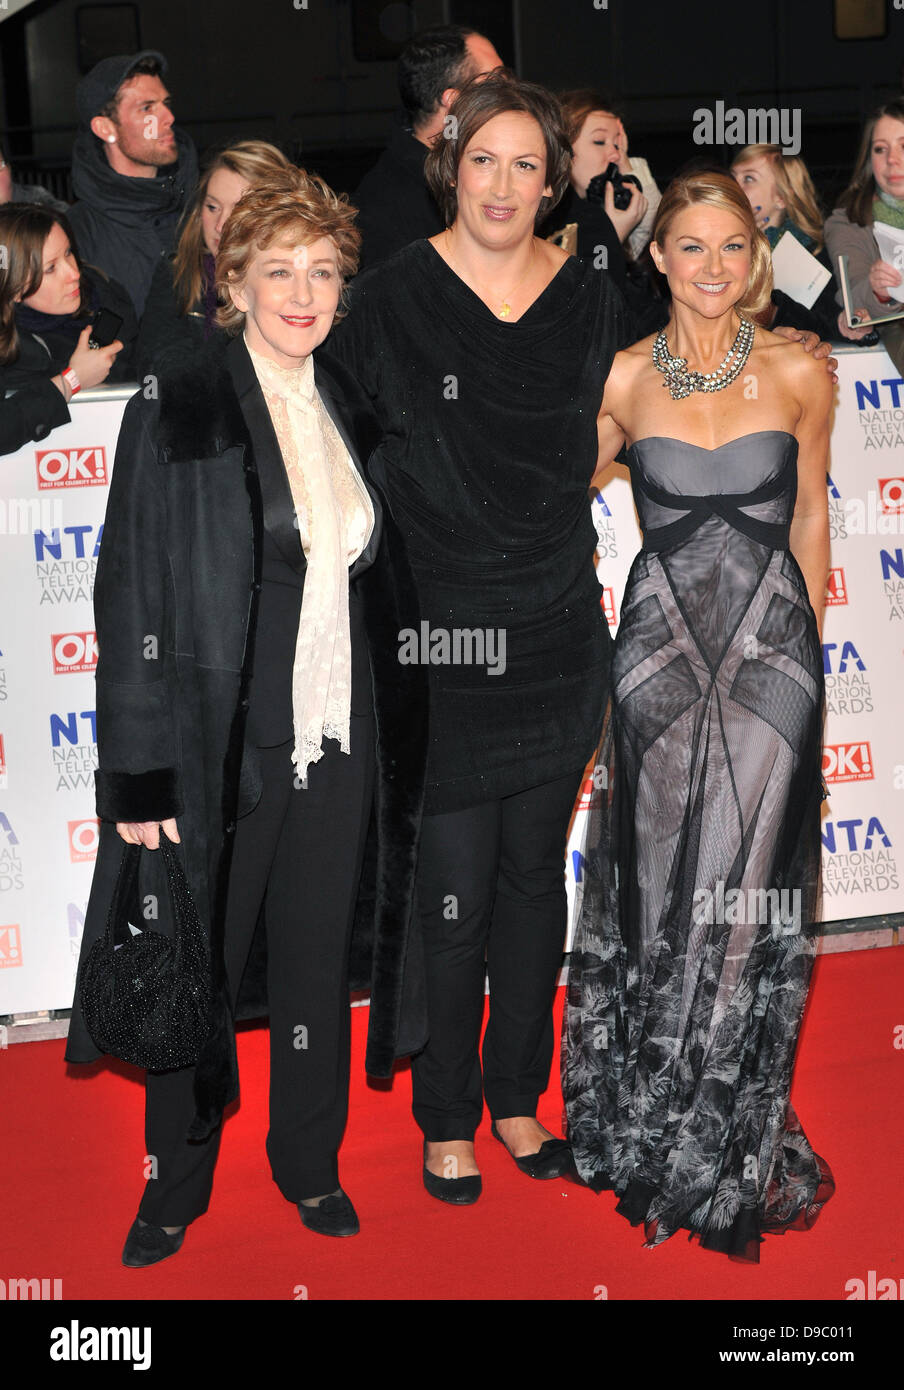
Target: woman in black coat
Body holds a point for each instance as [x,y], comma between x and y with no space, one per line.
[47,306]
[222,542]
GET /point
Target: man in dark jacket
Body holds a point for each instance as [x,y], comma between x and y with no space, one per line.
[132,171]
[394,204]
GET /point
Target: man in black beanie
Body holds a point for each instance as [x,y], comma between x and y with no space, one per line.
[394,203]
[132,171]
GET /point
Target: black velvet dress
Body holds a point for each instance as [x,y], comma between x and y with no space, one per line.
[489,446]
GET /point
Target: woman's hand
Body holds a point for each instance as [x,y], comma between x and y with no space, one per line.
[621,149]
[625,221]
[147,832]
[855,334]
[881,277]
[92,365]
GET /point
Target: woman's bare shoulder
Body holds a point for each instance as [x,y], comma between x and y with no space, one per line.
[802,373]
[633,361]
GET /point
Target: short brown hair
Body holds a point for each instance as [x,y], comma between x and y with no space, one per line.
[857,198]
[720,190]
[478,102]
[298,207]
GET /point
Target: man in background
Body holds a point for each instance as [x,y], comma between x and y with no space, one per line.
[132,171]
[12,192]
[395,206]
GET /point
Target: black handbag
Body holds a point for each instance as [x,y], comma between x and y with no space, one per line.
[145,997]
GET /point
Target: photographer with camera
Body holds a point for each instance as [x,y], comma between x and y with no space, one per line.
[63,326]
[606,206]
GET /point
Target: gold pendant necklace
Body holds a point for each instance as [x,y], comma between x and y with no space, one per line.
[505,308]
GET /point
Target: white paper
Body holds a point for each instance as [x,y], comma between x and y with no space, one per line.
[890,241]
[796,272]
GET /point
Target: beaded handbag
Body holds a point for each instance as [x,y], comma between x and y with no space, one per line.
[145,995]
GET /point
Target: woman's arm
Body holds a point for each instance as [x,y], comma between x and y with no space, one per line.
[856,244]
[810,524]
[138,778]
[32,412]
[610,434]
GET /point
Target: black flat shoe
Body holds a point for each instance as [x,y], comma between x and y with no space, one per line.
[334,1216]
[553,1159]
[148,1245]
[461,1192]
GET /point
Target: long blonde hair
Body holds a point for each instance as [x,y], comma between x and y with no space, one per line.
[720,190]
[255,162]
[793,185]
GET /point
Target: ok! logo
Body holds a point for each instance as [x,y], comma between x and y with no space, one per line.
[836,588]
[73,652]
[79,467]
[847,762]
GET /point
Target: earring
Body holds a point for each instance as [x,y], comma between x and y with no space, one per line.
[111,139]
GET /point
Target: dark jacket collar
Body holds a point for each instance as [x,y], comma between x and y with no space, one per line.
[406,150]
[130,201]
[217,403]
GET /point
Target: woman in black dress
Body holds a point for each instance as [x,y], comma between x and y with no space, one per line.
[692,960]
[484,351]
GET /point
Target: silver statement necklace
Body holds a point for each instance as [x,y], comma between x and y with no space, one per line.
[681,382]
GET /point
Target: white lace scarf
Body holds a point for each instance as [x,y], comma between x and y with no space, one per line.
[335,520]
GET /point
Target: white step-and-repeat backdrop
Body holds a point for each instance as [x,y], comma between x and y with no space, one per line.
[52,501]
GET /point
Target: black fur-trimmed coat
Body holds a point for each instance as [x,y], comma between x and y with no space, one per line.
[180,564]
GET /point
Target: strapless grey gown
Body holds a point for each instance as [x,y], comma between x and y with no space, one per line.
[693,955]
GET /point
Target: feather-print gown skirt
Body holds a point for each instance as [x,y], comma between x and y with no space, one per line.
[694,949]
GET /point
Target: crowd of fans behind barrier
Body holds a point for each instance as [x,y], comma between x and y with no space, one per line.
[122,281]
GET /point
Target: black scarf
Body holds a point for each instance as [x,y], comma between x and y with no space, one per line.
[59,331]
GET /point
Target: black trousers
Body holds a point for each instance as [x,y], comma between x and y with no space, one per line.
[491,899]
[301,849]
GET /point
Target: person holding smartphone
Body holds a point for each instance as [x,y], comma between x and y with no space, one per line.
[63,326]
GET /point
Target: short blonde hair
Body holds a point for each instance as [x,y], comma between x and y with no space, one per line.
[721,191]
[296,209]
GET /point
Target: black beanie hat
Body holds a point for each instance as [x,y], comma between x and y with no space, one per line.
[104,80]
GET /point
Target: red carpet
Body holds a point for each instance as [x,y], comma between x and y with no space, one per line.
[73,1153]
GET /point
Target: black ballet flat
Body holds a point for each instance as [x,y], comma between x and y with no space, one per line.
[148,1245]
[461,1192]
[334,1216]
[553,1159]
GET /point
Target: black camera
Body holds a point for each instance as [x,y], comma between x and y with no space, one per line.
[621,195]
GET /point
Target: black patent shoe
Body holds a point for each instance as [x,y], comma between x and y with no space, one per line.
[334,1216]
[461,1192]
[553,1159]
[149,1244]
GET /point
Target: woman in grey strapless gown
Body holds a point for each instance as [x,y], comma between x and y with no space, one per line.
[692,958]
